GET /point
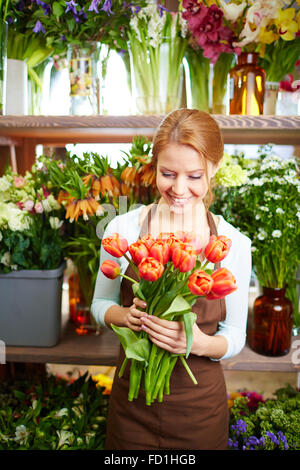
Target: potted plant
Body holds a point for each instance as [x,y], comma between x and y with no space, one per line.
[31,261]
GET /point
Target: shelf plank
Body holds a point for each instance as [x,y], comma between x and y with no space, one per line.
[71,129]
[103,350]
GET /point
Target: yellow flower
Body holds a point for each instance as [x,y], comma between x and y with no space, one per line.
[287,26]
[267,36]
[103,381]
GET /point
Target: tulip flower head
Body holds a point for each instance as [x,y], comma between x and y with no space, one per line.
[224,283]
[115,245]
[200,283]
[150,269]
[160,250]
[110,269]
[138,251]
[217,248]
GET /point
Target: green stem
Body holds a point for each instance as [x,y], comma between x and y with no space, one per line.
[135,268]
[121,371]
[127,277]
[188,369]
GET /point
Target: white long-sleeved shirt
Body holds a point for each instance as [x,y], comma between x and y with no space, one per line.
[238,261]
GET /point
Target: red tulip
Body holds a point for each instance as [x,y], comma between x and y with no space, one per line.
[217,248]
[224,283]
[150,269]
[160,250]
[115,245]
[148,240]
[138,251]
[183,257]
[110,269]
[200,283]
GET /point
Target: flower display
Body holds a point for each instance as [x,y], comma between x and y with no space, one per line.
[170,277]
[256,423]
[31,224]
[156,43]
[266,208]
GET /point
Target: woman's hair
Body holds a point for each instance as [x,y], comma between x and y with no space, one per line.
[194,128]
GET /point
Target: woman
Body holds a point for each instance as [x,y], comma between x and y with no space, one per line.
[187,150]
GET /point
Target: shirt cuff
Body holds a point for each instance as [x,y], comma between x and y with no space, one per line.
[99,309]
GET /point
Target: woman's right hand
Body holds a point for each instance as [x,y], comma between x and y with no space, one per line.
[133,315]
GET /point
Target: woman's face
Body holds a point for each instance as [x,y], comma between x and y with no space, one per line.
[181,178]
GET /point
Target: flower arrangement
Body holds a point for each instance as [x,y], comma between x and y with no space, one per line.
[157,43]
[30,224]
[224,29]
[266,208]
[170,277]
[271,424]
[57,414]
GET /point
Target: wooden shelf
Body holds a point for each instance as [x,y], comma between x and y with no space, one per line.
[103,350]
[68,129]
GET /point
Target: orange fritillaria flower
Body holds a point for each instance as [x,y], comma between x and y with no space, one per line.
[85,207]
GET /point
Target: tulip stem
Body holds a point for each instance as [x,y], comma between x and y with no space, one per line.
[194,380]
[205,264]
[132,264]
[127,277]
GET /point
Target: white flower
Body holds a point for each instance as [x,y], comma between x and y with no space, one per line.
[4,184]
[276,233]
[261,234]
[6,259]
[232,11]
[50,203]
[62,412]
[21,434]
[279,210]
[298,215]
[65,437]
[55,223]
[263,208]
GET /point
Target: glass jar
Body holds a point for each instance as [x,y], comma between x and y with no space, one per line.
[87,81]
[246,86]
[272,323]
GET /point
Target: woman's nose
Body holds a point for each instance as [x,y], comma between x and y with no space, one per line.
[179,187]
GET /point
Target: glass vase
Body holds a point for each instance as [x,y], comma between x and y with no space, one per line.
[197,79]
[272,323]
[246,86]
[85,74]
[270,100]
[3,65]
[156,76]
[79,308]
[219,84]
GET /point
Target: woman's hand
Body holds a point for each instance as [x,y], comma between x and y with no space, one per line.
[133,315]
[170,335]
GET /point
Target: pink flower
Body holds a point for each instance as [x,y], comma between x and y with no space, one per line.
[39,208]
[19,181]
[28,205]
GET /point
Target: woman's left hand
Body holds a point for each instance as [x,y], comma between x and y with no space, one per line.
[170,335]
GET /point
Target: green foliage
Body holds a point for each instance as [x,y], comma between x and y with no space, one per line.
[57,414]
[274,424]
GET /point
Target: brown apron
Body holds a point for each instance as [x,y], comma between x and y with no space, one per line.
[192,416]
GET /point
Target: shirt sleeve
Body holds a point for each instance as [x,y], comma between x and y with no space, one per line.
[233,328]
[107,291]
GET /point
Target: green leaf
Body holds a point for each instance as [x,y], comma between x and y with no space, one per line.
[167,298]
[57,9]
[189,320]
[178,306]
[134,347]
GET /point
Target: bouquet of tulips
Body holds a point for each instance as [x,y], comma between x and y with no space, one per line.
[170,277]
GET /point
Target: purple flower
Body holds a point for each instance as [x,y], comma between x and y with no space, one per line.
[38,28]
[107,7]
[45,7]
[273,438]
[161,10]
[94,6]
[71,6]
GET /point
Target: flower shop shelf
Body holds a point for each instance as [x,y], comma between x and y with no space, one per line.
[103,350]
[60,130]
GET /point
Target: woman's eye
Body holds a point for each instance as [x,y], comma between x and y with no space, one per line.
[196,177]
[167,175]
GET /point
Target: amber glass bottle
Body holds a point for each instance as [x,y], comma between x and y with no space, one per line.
[273,322]
[246,86]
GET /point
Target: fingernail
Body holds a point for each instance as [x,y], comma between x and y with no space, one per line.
[144,304]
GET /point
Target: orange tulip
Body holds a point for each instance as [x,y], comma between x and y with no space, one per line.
[183,257]
[148,240]
[138,251]
[150,269]
[224,283]
[217,248]
[110,269]
[115,245]
[191,238]
[200,283]
[160,250]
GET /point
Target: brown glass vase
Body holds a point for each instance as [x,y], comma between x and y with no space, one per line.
[247,86]
[272,323]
